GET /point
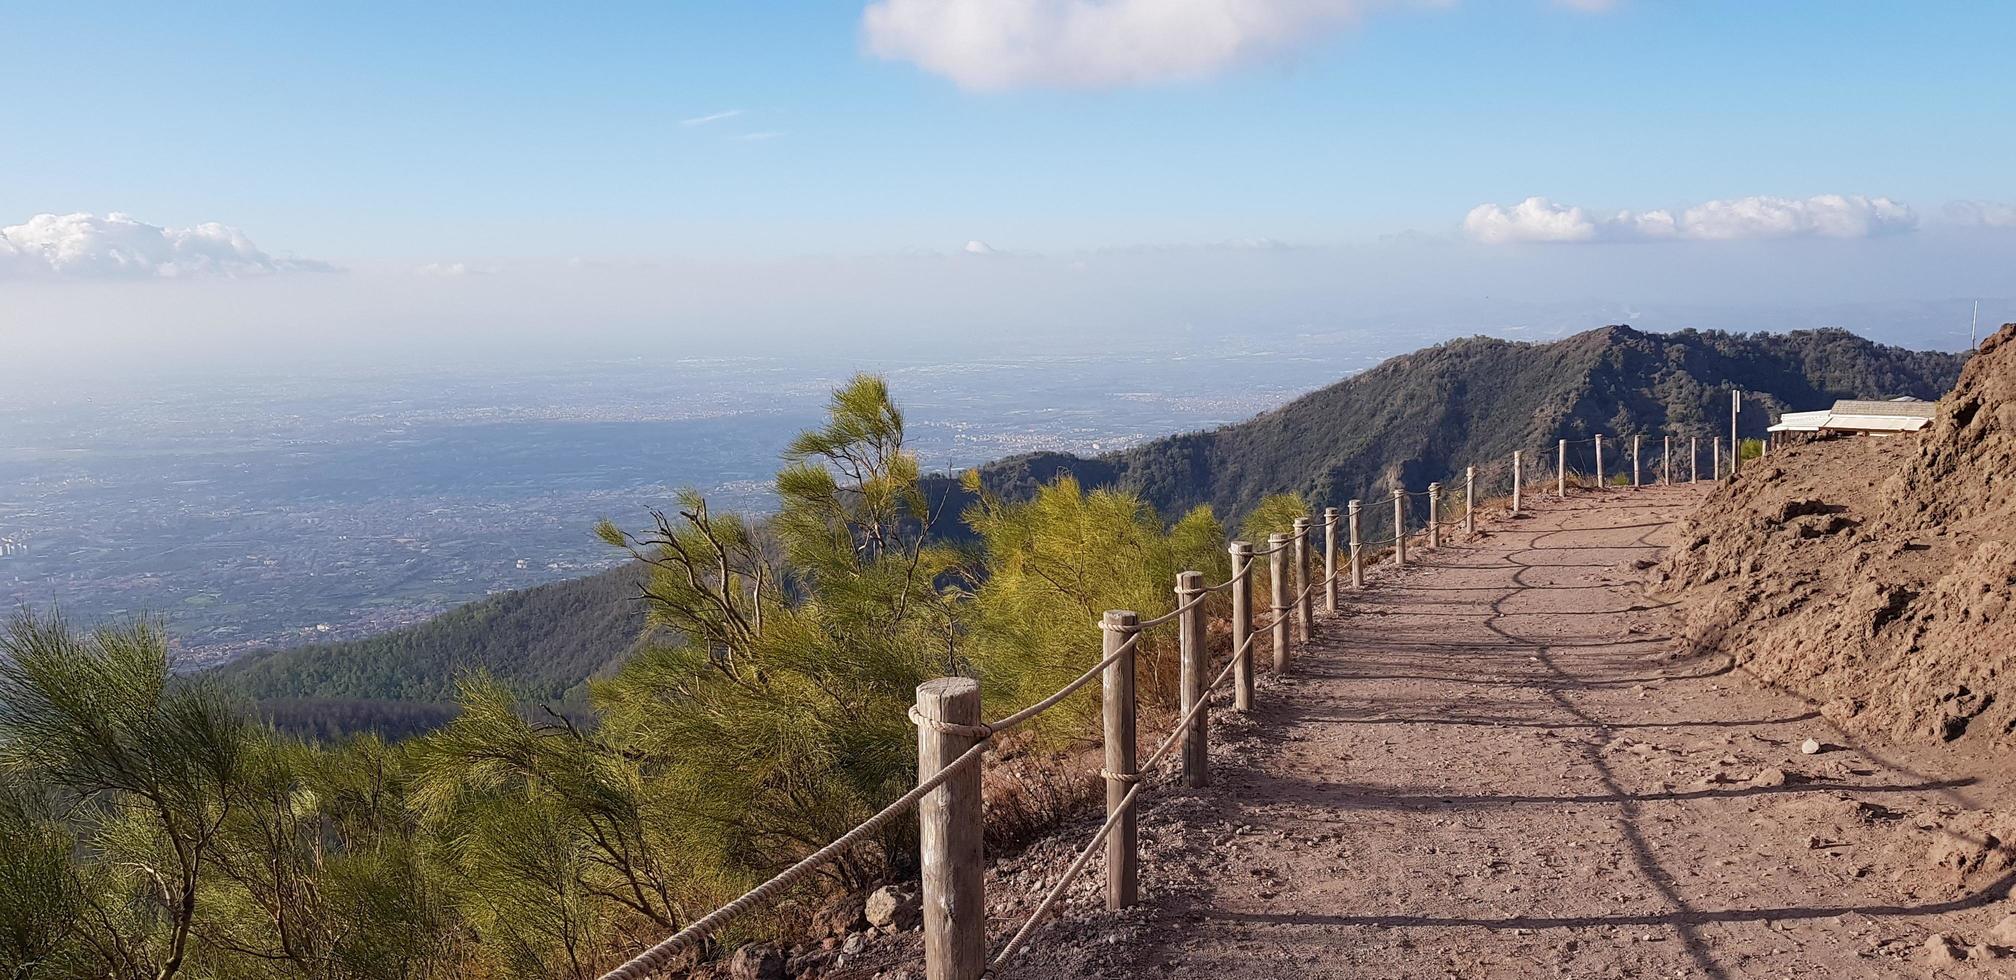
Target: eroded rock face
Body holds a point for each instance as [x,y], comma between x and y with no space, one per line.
[1874,576]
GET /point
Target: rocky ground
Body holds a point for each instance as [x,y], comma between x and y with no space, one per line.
[1873,575]
[1506,761]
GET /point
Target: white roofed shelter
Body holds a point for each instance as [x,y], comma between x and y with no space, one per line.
[1859,416]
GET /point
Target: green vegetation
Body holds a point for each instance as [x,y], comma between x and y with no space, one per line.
[156,829]
[1413,419]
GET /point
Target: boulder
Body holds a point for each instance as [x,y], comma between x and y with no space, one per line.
[894,908]
[757,961]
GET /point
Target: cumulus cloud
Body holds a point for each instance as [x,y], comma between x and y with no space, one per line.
[1982,214]
[978,247]
[1004,44]
[1538,219]
[117,246]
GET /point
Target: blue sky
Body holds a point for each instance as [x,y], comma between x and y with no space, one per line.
[383,138]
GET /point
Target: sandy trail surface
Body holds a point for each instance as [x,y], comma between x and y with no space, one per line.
[1493,765]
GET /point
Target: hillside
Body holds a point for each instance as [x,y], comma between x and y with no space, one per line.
[1416,417]
[545,641]
[1422,416]
[1873,576]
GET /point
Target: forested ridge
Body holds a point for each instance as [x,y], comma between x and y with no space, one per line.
[1412,419]
[1423,416]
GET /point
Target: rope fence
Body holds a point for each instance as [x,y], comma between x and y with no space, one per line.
[953,740]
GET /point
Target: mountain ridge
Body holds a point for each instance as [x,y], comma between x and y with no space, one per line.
[1411,419]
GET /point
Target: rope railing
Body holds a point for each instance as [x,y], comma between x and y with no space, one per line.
[955,931]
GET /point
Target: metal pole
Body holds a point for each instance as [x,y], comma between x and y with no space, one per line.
[1666,463]
[1561,472]
[1518,473]
[1635,445]
[1718,459]
[1693,459]
[1599,461]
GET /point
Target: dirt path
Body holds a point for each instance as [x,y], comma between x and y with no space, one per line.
[1492,766]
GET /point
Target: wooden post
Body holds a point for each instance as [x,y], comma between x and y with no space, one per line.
[1636,444]
[1599,461]
[1357,548]
[1242,624]
[1735,439]
[1122,887]
[1434,515]
[1469,500]
[1330,561]
[1693,459]
[1303,603]
[1277,580]
[1561,472]
[1717,452]
[1195,668]
[1666,464]
[1400,527]
[1518,474]
[949,831]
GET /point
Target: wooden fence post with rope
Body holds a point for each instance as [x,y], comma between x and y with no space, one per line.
[950,828]
[1330,561]
[1400,527]
[1434,515]
[1470,500]
[1716,452]
[1666,464]
[1561,472]
[1277,575]
[1599,461]
[1196,669]
[1300,556]
[1357,547]
[1518,474]
[1242,624]
[1636,444]
[1693,459]
[1117,704]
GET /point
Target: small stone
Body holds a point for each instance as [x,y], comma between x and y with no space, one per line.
[1810,747]
[1940,949]
[1769,777]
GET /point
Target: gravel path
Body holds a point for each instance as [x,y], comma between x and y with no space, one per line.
[1491,765]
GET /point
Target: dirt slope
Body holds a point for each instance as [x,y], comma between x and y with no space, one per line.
[1874,575]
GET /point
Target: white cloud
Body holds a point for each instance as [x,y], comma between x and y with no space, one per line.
[116,246]
[1588,6]
[710,117]
[1983,214]
[1004,44]
[977,247]
[1538,219]
[450,270]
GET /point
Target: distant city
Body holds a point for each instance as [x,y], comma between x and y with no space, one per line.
[254,513]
